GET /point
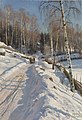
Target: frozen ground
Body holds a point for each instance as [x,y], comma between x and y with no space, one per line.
[35,92]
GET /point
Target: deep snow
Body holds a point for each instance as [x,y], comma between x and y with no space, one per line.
[38,92]
[45,99]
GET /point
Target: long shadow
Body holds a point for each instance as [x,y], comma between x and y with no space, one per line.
[8,69]
[33,87]
[62,78]
[11,85]
[60,75]
[29,104]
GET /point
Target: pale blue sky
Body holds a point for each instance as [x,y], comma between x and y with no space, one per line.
[32,6]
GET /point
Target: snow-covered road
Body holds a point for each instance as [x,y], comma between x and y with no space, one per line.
[12,81]
[11,90]
[35,92]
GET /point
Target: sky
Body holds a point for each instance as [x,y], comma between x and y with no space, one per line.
[29,5]
[32,6]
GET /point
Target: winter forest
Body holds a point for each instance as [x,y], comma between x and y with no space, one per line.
[22,31]
[40,60]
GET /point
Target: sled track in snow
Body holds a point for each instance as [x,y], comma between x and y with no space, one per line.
[6,83]
[9,69]
[6,103]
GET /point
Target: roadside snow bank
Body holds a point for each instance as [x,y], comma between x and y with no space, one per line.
[3,45]
[8,62]
[47,99]
[9,65]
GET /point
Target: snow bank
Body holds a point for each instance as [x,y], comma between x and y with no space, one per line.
[2,50]
[10,64]
[43,96]
[3,45]
[46,99]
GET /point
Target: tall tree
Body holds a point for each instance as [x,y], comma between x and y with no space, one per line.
[34,32]
[8,14]
[56,8]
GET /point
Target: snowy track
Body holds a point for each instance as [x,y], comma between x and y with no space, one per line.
[10,88]
[11,95]
[36,92]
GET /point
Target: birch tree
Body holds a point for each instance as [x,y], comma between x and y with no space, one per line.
[23,24]
[8,16]
[34,32]
[1,24]
[67,47]
[56,8]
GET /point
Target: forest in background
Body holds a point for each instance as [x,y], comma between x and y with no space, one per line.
[21,30]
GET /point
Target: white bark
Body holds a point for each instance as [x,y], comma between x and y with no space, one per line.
[67,47]
[6,29]
[21,34]
[13,32]
[8,20]
[52,50]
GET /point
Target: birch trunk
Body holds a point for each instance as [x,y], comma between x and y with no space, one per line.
[52,50]
[8,22]
[13,32]
[67,47]
[1,29]
[24,34]
[21,34]
[56,47]
[24,41]
[6,30]
[16,34]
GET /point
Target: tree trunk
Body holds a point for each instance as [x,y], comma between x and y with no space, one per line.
[52,52]
[24,34]
[67,47]
[13,32]
[6,30]
[16,34]
[56,47]
[21,35]
[1,30]
[8,22]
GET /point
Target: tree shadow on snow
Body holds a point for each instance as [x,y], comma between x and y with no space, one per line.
[29,100]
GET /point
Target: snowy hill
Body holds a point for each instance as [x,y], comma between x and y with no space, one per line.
[35,92]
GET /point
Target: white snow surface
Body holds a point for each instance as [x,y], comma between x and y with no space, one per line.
[2,44]
[40,96]
[76,69]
